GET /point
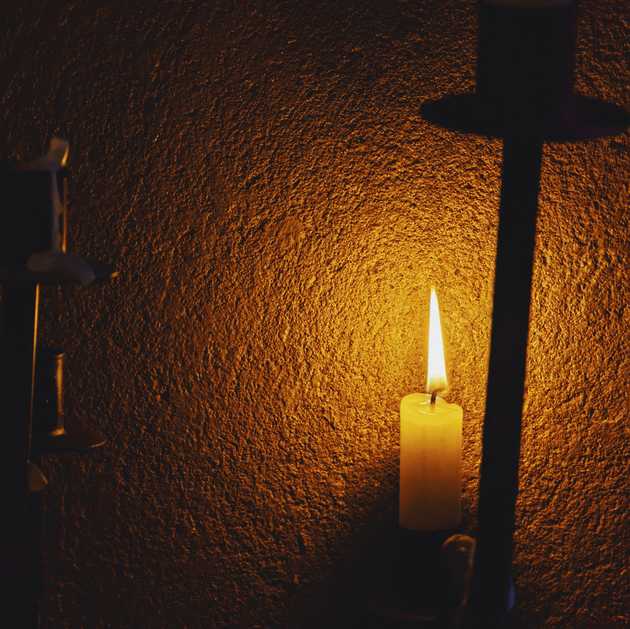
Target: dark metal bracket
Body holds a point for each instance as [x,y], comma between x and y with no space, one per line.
[28,196]
[524,96]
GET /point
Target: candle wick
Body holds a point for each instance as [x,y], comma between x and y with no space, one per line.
[433,396]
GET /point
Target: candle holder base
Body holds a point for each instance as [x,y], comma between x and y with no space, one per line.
[79,439]
[586,119]
[430,582]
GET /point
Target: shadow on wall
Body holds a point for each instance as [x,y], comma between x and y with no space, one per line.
[364,561]
[379,572]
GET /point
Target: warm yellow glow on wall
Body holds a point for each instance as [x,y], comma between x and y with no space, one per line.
[436,367]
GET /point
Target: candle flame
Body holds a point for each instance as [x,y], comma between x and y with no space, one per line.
[436,367]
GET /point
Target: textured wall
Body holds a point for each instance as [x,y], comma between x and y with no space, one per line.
[278,208]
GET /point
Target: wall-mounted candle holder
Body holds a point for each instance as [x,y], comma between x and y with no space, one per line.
[33,252]
[524,95]
[51,435]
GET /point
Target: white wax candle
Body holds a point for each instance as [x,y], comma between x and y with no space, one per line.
[431,445]
[430,463]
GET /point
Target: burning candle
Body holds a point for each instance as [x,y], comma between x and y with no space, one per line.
[430,446]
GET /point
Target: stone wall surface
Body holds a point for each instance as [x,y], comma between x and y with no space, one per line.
[260,173]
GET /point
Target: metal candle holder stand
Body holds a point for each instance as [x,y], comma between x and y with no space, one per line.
[524,95]
[34,418]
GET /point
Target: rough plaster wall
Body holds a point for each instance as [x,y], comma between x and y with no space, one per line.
[261,174]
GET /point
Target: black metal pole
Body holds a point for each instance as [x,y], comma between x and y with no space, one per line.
[508,354]
[525,78]
[20,542]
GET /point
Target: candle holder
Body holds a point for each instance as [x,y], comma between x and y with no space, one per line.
[524,95]
[32,253]
[525,80]
[429,581]
[50,434]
